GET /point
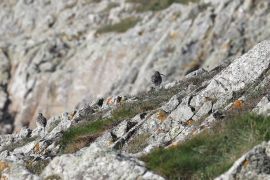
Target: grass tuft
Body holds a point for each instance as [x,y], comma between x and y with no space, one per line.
[36,167]
[84,134]
[11,147]
[138,143]
[212,152]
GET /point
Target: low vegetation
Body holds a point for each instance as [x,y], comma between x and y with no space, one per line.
[138,143]
[212,152]
[121,27]
[156,5]
[21,143]
[85,133]
[36,167]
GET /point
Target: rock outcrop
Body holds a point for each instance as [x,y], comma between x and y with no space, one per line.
[194,105]
[53,54]
[58,56]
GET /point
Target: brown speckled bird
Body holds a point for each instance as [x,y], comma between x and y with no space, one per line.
[41,121]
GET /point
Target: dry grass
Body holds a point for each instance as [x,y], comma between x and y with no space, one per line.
[138,143]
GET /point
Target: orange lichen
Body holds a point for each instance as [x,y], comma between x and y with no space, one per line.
[173,35]
[109,101]
[245,163]
[238,104]
[189,122]
[3,177]
[162,115]
[3,165]
[37,148]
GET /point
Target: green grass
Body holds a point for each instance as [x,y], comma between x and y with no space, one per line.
[85,133]
[156,5]
[210,153]
[36,167]
[82,135]
[121,27]
[138,143]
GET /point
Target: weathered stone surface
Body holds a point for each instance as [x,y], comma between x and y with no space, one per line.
[253,165]
[95,163]
[53,57]
[17,171]
[263,107]
[183,112]
[241,73]
[172,104]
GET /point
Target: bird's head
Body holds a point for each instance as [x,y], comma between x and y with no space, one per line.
[157,73]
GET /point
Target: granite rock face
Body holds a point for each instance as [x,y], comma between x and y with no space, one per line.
[253,165]
[52,56]
[115,153]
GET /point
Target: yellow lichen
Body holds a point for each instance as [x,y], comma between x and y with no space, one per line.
[238,104]
[245,163]
[37,148]
[162,115]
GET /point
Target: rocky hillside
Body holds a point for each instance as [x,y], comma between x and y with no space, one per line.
[57,53]
[194,129]
[86,65]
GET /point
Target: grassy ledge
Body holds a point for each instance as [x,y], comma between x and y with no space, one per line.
[156,5]
[121,27]
[210,153]
[85,133]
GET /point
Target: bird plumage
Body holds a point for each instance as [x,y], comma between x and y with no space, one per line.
[156,78]
[41,120]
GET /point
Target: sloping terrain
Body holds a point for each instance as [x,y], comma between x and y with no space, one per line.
[55,53]
[192,130]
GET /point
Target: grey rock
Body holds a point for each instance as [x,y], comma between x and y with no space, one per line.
[235,77]
[255,164]
[65,68]
[263,107]
[25,133]
[183,112]
[172,104]
[97,162]
[18,171]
